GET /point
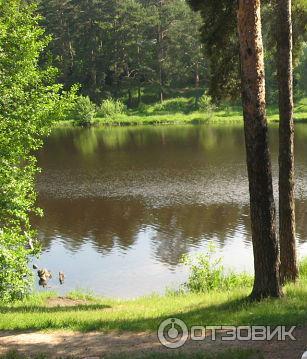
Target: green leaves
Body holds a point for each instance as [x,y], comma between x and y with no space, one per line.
[206,274]
[27,99]
[113,48]
[84,111]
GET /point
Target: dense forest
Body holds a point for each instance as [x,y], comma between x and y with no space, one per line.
[147,50]
[119,48]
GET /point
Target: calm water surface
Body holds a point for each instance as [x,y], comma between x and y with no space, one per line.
[123,204]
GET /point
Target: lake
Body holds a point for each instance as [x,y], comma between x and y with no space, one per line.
[123,204]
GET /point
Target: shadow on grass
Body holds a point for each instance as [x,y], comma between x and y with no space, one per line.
[288,311]
[237,312]
[229,354]
[55,309]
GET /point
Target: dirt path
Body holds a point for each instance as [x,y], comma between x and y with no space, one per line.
[97,344]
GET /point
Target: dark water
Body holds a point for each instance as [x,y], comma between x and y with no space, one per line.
[123,204]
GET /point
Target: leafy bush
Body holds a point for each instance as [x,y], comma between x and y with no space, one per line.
[111,108]
[28,95]
[64,104]
[208,274]
[83,111]
[205,103]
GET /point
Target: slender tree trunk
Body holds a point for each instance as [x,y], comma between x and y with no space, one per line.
[197,78]
[129,98]
[160,51]
[288,268]
[93,74]
[161,84]
[139,79]
[139,95]
[262,206]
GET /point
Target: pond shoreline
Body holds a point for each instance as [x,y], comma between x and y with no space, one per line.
[83,312]
[151,116]
[125,121]
[223,115]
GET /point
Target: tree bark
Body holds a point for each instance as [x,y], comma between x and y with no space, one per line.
[288,268]
[262,206]
[160,38]
[197,77]
[139,95]
[129,98]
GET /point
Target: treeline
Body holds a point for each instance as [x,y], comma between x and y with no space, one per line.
[145,50]
[119,48]
[219,34]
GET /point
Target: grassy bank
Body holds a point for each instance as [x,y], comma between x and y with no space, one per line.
[144,314]
[183,113]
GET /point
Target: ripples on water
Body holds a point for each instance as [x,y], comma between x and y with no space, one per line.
[123,204]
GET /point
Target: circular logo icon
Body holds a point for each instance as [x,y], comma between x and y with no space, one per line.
[173,333]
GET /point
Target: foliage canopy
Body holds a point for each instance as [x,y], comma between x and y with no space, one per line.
[27,100]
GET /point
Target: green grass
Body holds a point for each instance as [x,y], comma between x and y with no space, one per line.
[183,114]
[145,314]
[234,354]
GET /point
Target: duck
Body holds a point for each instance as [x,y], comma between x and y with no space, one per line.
[61,277]
[44,276]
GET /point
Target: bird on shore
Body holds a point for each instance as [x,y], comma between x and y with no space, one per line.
[61,277]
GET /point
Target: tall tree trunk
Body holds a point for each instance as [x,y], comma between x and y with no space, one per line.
[160,38]
[262,206]
[93,75]
[197,77]
[129,98]
[139,95]
[161,84]
[288,268]
[139,100]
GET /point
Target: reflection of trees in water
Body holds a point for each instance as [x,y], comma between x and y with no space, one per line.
[87,143]
[183,227]
[82,153]
[103,222]
[109,222]
[301,220]
[118,222]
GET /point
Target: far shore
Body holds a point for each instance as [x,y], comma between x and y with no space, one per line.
[223,116]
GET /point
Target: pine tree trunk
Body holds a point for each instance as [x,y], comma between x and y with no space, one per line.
[161,86]
[197,77]
[129,98]
[262,206]
[288,268]
[139,95]
[160,39]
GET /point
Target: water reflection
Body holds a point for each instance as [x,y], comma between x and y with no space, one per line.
[123,204]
